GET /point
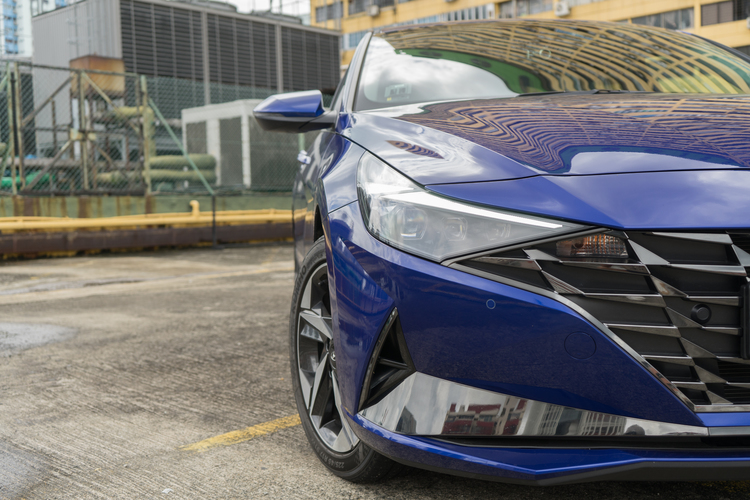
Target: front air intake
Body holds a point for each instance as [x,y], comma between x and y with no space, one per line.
[389,365]
[678,300]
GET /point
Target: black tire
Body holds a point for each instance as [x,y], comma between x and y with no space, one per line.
[319,412]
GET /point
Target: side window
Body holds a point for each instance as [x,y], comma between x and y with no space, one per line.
[336,101]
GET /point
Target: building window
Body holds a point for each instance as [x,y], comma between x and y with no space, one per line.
[329,12]
[357,6]
[525,8]
[724,12]
[351,40]
[745,50]
[673,20]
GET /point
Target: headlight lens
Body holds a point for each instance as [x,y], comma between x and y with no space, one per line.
[406,216]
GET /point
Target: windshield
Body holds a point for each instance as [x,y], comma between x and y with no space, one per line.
[507,58]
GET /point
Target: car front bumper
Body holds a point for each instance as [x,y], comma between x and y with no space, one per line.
[468,331]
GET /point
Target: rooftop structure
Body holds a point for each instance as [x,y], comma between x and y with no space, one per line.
[193,41]
[725,22]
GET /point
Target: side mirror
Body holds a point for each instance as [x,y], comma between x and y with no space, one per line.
[294,112]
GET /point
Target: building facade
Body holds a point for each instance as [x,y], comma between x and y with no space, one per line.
[725,22]
[15,31]
[206,42]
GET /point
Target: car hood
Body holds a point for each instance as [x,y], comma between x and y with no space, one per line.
[559,135]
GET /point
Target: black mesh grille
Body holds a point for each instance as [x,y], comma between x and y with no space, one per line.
[675,301]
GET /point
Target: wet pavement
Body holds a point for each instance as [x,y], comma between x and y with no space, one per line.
[111,365]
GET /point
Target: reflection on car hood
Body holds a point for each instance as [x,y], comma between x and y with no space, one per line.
[559,134]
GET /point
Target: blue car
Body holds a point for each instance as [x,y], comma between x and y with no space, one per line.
[522,252]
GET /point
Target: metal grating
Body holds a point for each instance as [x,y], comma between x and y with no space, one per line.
[167,41]
[655,301]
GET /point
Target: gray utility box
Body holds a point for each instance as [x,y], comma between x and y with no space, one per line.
[246,156]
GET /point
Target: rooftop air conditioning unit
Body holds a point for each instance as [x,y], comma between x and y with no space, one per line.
[373,10]
[449,1]
[561,8]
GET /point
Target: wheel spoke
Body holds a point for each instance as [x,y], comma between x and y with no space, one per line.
[306,302]
[351,438]
[321,374]
[316,369]
[320,323]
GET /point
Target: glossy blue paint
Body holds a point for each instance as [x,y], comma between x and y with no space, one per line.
[307,104]
[359,307]
[601,134]
[459,160]
[517,348]
[339,172]
[524,464]
[732,419]
[702,199]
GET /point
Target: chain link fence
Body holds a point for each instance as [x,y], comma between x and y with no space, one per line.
[77,131]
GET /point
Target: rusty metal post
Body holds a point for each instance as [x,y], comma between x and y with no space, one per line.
[213,223]
[147,127]
[19,121]
[54,125]
[94,169]
[82,132]
[11,131]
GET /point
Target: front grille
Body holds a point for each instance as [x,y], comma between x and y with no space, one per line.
[656,301]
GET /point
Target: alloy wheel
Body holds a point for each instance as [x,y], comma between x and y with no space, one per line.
[316,362]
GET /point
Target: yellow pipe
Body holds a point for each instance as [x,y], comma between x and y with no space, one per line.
[192,219]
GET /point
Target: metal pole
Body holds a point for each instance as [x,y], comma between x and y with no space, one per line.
[54,125]
[147,119]
[82,132]
[19,121]
[213,225]
[11,131]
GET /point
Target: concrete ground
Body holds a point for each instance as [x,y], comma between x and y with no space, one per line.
[110,364]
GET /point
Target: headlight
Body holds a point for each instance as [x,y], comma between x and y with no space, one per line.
[402,214]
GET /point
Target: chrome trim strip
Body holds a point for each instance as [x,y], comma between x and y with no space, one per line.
[724,239]
[729,431]
[727,270]
[722,301]
[742,256]
[666,331]
[643,300]
[666,289]
[698,386]
[591,319]
[617,268]
[539,255]
[675,360]
[730,408]
[423,405]
[726,330]
[510,262]
[560,286]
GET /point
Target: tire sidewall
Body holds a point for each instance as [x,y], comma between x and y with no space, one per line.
[346,464]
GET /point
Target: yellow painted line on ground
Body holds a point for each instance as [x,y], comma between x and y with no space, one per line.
[240,436]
